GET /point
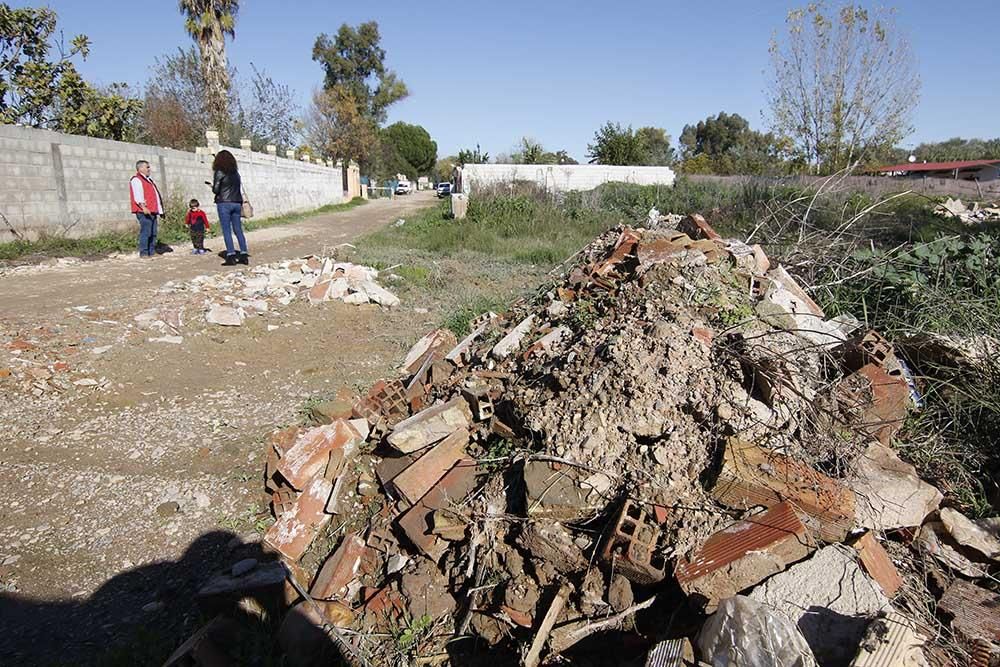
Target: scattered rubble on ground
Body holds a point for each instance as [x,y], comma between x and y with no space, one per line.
[231,297]
[972,214]
[670,449]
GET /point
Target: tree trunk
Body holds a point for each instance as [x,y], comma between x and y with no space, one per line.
[216,72]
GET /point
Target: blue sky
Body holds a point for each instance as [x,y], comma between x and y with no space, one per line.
[490,72]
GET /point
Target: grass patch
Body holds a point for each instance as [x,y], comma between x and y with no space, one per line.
[171,231]
[458,318]
[523,229]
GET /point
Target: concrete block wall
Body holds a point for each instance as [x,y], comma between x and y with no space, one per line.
[560,178]
[60,184]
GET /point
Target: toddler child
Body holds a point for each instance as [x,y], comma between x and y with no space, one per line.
[197,223]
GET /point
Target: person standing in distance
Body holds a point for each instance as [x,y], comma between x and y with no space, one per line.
[228,191]
[147,206]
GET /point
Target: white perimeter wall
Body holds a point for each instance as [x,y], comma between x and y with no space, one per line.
[53,183]
[561,178]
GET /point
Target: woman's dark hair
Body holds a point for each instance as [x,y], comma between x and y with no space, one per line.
[224,162]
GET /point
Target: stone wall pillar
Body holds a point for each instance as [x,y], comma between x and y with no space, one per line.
[212,138]
[272,150]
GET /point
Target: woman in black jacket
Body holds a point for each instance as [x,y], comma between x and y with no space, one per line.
[228,191]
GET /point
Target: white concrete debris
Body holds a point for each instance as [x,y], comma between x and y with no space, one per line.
[829,598]
[889,492]
[263,288]
[225,316]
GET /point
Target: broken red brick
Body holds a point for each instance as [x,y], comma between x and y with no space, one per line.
[295,530]
[383,602]
[430,425]
[626,245]
[519,617]
[310,454]
[697,227]
[973,611]
[763,263]
[884,415]
[871,348]
[340,569]
[744,554]
[660,250]
[752,476]
[636,545]
[412,483]
[703,335]
[20,344]
[877,564]
[451,489]
[283,499]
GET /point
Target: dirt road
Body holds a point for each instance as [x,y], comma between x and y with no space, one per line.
[125,487]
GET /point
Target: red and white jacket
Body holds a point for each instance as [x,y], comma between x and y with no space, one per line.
[143,190]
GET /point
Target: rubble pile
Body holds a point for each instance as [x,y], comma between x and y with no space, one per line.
[670,456]
[232,297]
[972,214]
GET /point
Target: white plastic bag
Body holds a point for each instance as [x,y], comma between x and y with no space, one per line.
[745,633]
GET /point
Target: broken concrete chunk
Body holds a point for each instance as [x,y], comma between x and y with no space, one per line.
[430,425]
[744,554]
[435,344]
[829,598]
[552,543]
[512,341]
[934,539]
[425,472]
[980,536]
[889,493]
[296,529]
[783,309]
[878,564]
[745,633]
[225,316]
[891,641]
[548,341]
[223,592]
[753,476]
[310,454]
[378,294]
[557,492]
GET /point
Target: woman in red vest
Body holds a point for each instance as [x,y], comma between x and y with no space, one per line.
[228,191]
[147,206]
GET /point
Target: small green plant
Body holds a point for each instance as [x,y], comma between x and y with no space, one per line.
[584,314]
[253,517]
[412,634]
[497,452]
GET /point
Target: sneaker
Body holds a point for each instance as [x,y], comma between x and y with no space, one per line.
[195,252]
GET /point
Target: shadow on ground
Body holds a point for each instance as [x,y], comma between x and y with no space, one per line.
[138,617]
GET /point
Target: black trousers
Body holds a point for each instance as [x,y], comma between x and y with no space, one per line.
[198,237]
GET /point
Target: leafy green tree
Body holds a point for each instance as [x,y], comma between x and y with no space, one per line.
[354,61]
[468,156]
[41,87]
[659,152]
[445,167]
[614,144]
[528,151]
[957,148]
[334,125]
[843,84]
[562,157]
[209,22]
[725,144]
[408,149]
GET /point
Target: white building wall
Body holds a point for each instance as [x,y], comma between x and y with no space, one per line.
[561,178]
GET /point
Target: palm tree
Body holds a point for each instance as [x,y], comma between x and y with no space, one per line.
[208,22]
